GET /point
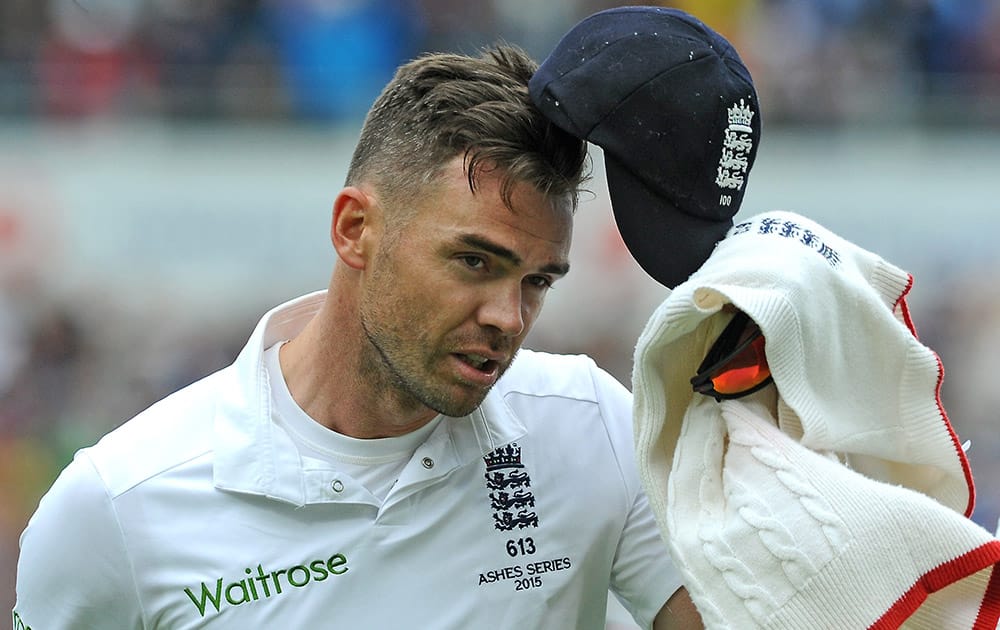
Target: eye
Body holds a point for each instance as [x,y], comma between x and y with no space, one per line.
[540,282]
[472,261]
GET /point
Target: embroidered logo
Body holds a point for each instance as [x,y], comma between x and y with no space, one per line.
[736,147]
[791,230]
[509,486]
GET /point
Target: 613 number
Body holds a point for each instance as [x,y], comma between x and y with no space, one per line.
[520,547]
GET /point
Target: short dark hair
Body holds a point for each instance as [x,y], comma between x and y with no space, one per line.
[441,105]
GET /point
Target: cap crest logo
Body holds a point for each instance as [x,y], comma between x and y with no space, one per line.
[736,148]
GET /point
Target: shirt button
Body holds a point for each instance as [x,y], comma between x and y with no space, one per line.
[427,462]
[337,485]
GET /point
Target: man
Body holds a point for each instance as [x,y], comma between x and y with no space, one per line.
[376,457]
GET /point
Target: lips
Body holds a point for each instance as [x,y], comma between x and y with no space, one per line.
[482,363]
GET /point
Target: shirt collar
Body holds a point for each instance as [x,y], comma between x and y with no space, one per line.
[256,456]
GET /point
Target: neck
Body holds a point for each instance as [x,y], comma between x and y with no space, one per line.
[323,367]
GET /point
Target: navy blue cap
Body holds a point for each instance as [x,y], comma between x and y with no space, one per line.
[675,111]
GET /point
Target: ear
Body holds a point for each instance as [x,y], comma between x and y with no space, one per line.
[355,217]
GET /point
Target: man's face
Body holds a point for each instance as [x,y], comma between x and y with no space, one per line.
[451,296]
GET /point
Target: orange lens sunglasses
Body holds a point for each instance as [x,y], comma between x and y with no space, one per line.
[735,364]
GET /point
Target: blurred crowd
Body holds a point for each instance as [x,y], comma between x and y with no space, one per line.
[814,60]
[72,369]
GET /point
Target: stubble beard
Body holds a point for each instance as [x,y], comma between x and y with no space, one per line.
[393,367]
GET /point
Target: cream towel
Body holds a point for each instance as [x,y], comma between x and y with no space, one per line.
[863,442]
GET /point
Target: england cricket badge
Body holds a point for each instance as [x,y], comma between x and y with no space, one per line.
[737,144]
[510,489]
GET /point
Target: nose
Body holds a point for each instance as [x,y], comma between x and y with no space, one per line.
[503,308]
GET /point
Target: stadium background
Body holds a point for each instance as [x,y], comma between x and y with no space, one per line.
[167,169]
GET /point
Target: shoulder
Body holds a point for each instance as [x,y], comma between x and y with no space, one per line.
[80,525]
[573,376]
[568,399]
[73,570]
[171,432]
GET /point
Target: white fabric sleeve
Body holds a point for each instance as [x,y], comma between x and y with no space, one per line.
[73,572]
[644,576]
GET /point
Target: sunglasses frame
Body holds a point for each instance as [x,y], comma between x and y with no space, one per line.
[724,350]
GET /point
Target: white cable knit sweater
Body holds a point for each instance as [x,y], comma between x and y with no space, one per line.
[845,508]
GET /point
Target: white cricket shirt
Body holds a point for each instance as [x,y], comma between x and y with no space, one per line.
[200,513]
